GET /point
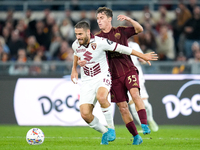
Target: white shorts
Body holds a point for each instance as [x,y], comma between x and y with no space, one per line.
[89,89]
[143,92]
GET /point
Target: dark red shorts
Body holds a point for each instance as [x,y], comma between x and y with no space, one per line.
[122,85]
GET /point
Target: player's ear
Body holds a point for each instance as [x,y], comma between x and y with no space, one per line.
[88,31]
[109,19]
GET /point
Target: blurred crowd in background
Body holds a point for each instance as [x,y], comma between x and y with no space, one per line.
[47,39]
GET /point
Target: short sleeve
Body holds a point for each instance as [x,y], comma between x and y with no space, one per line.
[128,31]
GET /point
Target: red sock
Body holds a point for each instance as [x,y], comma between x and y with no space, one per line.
[132,128]
[143,116]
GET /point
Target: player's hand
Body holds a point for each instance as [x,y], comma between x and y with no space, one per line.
[81,62]
[150,56]
[74,76]
[123,17]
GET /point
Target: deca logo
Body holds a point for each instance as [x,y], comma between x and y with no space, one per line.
[62,103]
[174,105]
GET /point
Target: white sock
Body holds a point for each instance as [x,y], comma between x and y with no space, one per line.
[134,113]
[148,110]
[108,116]
[96,125]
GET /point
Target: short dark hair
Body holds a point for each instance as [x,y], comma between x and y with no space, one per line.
[82,24]
[107,11]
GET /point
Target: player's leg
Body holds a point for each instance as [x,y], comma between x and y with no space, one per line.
[132,84]
[128,120]
[93,122]
[144,95]
[140,108]
[134,112]
[102,97]
[87,103]
[152,124]
[119,96]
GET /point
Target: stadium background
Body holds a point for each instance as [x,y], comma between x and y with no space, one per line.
[58,65]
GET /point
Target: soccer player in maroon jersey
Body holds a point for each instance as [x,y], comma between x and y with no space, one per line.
[124,73]
[95,79]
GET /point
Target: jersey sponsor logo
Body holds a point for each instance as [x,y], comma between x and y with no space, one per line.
[109,42]
[93,71]
[94,46]
[118,35]
[87,56]
[80,50]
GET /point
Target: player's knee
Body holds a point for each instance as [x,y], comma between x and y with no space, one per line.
[123,108]
[102,99]
[85,115]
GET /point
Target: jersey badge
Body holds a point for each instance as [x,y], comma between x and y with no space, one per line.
[94,46]
[117,35]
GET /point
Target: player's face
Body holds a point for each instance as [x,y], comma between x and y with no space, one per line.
[82,36]
[103,21]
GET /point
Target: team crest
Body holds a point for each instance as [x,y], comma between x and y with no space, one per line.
[94,46]
[118,35]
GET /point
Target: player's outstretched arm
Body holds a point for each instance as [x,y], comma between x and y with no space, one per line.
[147,56]
[74,73]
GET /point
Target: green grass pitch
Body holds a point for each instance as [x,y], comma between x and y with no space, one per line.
[12,137]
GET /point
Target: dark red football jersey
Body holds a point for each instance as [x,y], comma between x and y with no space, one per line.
[119,64]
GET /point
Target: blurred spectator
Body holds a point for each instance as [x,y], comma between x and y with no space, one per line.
[41,53]
[165,44]
[192,31]
[46,12]
[196,58]
[68,16]
[184,15]
[50,22]
[93,22]
[15,43]
[37,67]
[21,27]
[6,35]
[147,41]
[163,18]
[177,28]
[10,21]
[83,16]
[20,68]
[54,48]
[65,51]
[67,30]
[147,16]
[4,45]
[42,35]
[191,5]
[28,17]
[32,47]
[181,57]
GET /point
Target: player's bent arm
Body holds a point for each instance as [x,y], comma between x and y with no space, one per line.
[135,24]
[74,73]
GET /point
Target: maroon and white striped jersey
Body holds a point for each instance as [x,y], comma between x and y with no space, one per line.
[95,55]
